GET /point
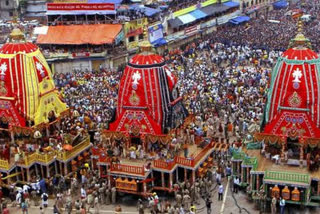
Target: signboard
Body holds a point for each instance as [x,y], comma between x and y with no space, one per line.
[83,54]
[119,37]
[80,6]
[189,31]
[155,32]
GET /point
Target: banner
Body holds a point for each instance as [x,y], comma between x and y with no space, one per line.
[119,37]
[155,32]
[80,6]
[70,1]
[189,31]
[83,54]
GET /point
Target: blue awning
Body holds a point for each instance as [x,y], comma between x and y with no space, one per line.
[105,1]
[198,14]
[239,20]
[148,11]
[280,4]
[174,23]
[164,7]
[231,4]
[135,6]
[187,18]
[159,42]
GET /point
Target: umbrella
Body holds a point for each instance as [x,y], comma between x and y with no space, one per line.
[67,147]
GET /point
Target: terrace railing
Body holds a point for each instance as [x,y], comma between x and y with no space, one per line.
[137,170]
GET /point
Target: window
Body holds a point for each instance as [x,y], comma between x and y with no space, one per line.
[131,39]
[140,36]
[7,3]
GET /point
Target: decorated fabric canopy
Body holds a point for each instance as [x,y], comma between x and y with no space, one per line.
[146,94]
[27,90]
[293,102]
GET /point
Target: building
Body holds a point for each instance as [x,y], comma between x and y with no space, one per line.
[36,9]
[7,8]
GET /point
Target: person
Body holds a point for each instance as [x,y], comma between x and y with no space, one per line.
[83,193]
[83,210]
[236,184]
[96,205]
[24,206]
[228,170]
[5,210]
[55,209]
[220,192]
[282,205]
[44,198]
[274,205]
[41,210]
[208,205]
[185,150]
[77,205]
[118,209]
[181,210]
[140,207]
[113,195]
[19,198]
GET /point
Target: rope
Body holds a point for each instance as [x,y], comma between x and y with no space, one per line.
[236,203]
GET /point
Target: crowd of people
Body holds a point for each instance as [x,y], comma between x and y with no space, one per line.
[263,33]
[223,84]
[92,94]
[223,79]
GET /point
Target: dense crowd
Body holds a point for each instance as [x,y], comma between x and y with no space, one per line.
[260,33]
[92,94]
[223,79]
[223,84]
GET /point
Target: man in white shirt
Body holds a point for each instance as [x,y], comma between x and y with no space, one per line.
[44,198]
[83,193]
[236,183]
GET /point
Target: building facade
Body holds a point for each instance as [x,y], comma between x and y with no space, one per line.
[7,8]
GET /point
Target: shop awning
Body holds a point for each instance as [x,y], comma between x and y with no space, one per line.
[280,4]
[239,20]
[214,9]
[105,1]
[96,34]
[231,4]
[174,23]
[198,14]
[159,42]
[187,18]
[148,11]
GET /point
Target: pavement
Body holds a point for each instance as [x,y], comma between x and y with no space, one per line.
[226,206]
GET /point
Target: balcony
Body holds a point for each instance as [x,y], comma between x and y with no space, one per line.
[162,164]
[192,162]
[127,169]
[66,155]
